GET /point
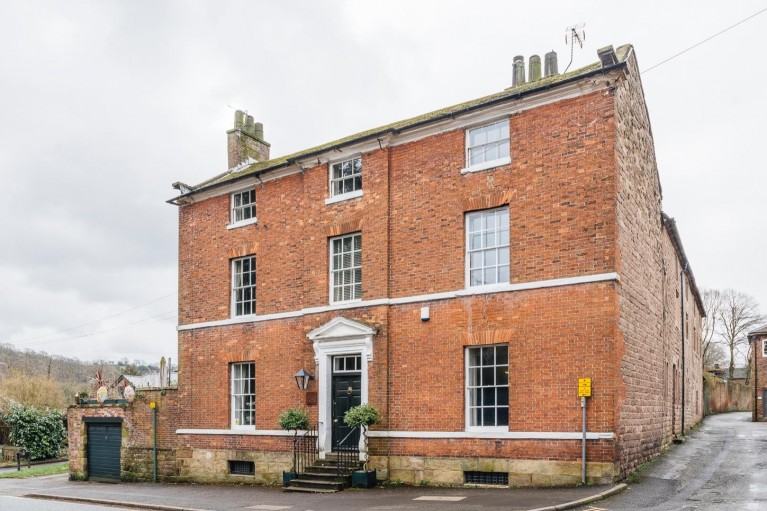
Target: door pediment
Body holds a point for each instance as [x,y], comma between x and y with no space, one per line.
[340,328]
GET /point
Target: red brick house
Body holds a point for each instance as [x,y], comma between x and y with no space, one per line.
[460,270]
[758,340]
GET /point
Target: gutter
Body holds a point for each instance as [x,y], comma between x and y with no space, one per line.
[396,131]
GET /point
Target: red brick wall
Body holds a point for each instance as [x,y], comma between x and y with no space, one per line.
[759,377]
[583,198]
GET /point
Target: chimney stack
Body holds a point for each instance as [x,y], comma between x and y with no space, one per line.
[607,56]
[535,68]
[246,141]
[518,78]
[550,67]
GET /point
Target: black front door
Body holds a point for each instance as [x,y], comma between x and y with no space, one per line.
[347,392]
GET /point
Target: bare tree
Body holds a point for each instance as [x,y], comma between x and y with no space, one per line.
[713,353]
[738,314]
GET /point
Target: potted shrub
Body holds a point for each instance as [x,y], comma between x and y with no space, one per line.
[293,420]
[363,416]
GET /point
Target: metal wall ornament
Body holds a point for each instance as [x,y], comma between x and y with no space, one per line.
[129,393]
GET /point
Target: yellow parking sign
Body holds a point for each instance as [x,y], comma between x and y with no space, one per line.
[584,387]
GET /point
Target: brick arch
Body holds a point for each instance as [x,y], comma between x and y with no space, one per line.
[491,200]
[497,336]
[243,250]
[339,228]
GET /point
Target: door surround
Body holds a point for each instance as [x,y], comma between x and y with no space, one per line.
[339,336]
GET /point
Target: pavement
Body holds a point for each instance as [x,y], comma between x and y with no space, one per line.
[721,467]
[194,497]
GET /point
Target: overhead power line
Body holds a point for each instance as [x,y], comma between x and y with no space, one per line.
[128,326]
[705,40]
[96,320]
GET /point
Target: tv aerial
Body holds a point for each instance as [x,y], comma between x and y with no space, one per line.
[574,34]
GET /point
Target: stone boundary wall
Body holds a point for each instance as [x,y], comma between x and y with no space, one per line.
[137,436]
[726,396]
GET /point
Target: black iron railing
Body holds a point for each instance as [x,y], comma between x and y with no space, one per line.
[347,450]
[307,450]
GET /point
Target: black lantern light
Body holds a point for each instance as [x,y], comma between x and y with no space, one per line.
[303,378]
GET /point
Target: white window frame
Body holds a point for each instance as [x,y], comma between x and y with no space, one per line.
[233,223]
[333,197]
[235,287]
[488,164]
[467,389]
[234,395]
[468,251]
[333,272]
[355,359]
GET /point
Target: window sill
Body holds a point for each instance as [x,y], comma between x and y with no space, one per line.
[486,165]
[344,302]
[343,197]
[488,288]
[242,223]
[243,316]
[487,429]
[243,428]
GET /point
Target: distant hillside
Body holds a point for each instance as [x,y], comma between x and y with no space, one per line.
[72,375]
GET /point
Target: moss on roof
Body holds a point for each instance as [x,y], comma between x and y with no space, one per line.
[622,53]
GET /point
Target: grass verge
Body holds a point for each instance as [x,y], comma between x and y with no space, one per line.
[44,470]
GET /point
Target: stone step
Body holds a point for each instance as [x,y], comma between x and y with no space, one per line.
[317,484]
[317,473]
[308,490]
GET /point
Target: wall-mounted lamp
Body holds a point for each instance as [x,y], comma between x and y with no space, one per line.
[303,378]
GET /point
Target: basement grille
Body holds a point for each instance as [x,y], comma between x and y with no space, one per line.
[242,468]
[495,478]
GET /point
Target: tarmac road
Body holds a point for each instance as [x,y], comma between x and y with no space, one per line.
[721,467]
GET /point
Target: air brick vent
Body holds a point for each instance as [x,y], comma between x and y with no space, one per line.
[242,468]
[494,478]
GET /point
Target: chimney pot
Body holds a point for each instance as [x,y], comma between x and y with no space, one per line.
[607,56]
[259,131]
[518,78]
[550,66]
[239,117]
[535,68]
[243,149]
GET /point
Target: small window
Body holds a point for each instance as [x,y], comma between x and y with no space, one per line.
[488,145]
[244,286]
[487,386]
[764,347]
[242,468]
[346,268]
[243,395]
[346,177]
[347,364]
[244,207]
[487,247]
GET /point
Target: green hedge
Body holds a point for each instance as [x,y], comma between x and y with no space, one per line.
[41,434]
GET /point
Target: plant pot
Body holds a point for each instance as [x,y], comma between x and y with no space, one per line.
[364,478]
[287,477]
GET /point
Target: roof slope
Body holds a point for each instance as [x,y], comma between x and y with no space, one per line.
[396,127]
[759,330]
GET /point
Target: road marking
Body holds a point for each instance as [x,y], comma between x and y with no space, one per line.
[440,498]
[268,507]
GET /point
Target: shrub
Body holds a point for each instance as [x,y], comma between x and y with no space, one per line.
[294,419]
[41,434]
[364,415]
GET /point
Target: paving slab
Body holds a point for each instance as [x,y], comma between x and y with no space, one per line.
[177,497]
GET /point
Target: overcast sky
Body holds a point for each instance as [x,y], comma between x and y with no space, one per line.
[103,104]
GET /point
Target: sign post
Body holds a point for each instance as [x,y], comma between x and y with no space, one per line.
[584,391]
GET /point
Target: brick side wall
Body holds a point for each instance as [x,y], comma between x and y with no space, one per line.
[759,380]
[649,342]
[136,456]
